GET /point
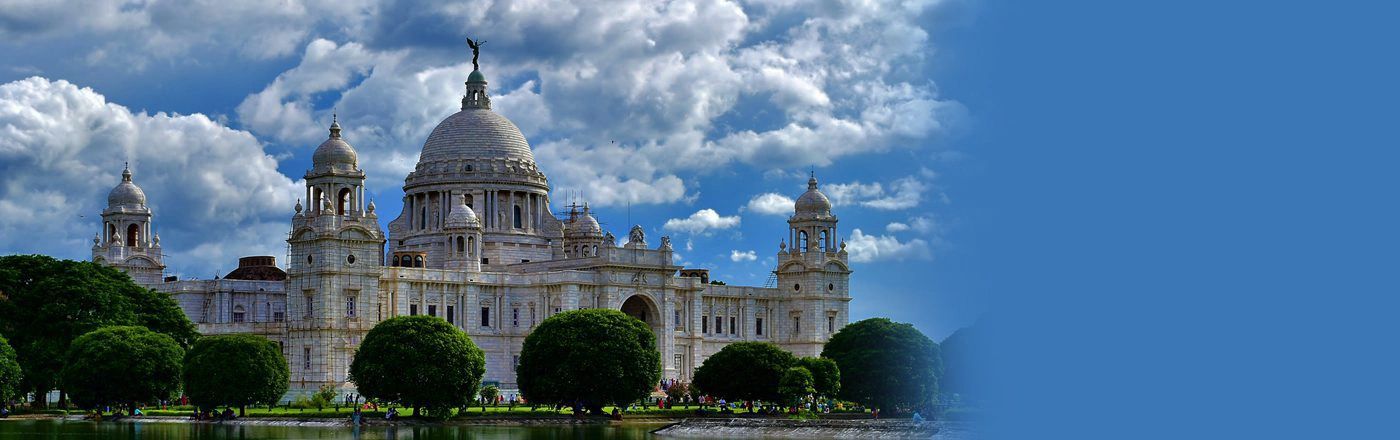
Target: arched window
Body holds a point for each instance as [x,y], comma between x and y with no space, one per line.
[315,201]
[802,240]
[132,231]
[111,232]
[239,315]
[517,217]
[406,261]
[595,250]
[342,201]
[461,244]
[471,246]
[823,242]
[418,261]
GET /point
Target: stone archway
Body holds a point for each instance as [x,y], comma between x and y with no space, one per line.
[641,307]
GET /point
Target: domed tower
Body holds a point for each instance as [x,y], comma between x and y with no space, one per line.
[333,276]
[463,236]
[582,234]
[814,273]
[482,156]
[127,241]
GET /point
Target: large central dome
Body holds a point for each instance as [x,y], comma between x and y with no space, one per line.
[475,133]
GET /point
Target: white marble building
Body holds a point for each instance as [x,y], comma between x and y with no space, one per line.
[478,245]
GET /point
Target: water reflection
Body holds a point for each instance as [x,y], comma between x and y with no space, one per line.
[155,430]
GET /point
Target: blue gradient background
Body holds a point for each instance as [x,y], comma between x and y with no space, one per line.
[1188,220]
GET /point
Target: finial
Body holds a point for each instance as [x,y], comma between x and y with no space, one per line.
[126,171]
[298,207]
[335,126]
[371,206]
[812,181]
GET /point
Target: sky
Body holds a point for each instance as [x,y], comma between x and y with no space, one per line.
[701,120]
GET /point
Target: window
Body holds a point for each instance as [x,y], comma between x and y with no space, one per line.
[677,363]
[461,244]
[796,324]
[432,310]
[418,261]
[515,317]
[450,315]
[485,261]
[279,316]
[306,358]
[830,287]
[310,305]
[238,314]
[132,232]
[485,316]
[821,240]
[524,261]
[758,326]
[350,306]
[517,218]
[719,324]
[704,324]
[796,287]
[532,316]
[412,310]
[831,324]
[350,259]
[678,319]
[732,327]
[515,363]
[802,240]
[342,200]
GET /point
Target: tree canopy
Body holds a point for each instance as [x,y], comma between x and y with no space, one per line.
[235,370]
[122,365]
[826,376]
[744,371]
[885,364]
[420,362]
[9,373]
[796,385]
[46,303]
[589,358]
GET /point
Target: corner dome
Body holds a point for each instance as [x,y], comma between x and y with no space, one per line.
[126,193]
[475,133]
[813,202]
[462,215]
[335,152]
[585,225]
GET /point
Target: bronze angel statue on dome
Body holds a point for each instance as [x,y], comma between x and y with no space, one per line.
[476,51]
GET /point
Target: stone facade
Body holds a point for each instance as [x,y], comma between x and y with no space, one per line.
[478,245]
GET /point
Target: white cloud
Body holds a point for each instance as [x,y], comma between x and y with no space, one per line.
[869,248]
[637,91]
[700,222]
[903,193]
[215,193]
[894,227]
[738,256]
[771,204]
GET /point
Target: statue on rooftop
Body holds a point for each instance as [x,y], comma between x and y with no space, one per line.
[476,51]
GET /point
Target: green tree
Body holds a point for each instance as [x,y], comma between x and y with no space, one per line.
[885,364]
[589,358]
[488,395]
[744,371]
[796,385]
[235,370]
[419,362]
[47,303]
[10,374]
[122,365]
[826,375]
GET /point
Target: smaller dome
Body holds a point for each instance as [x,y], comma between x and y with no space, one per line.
[126,193]
[335,152]
[813,202]
[476,76]
[585,224]
[462,215]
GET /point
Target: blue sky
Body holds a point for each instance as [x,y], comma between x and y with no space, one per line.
[699,120]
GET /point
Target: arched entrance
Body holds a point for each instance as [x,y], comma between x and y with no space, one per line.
[642,308]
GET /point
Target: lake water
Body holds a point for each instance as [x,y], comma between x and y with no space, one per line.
[165,430]
[155,430]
